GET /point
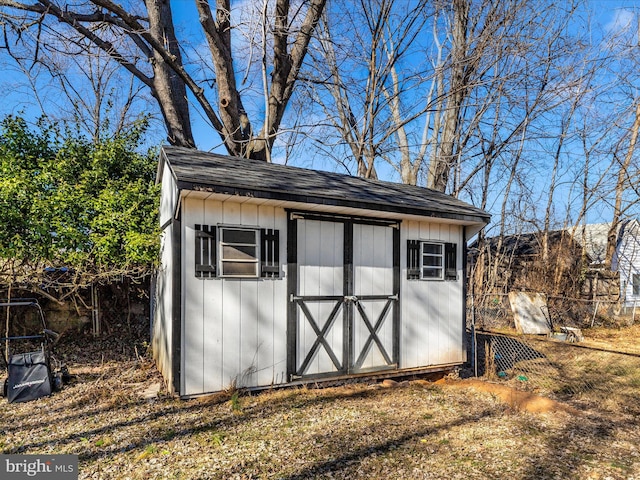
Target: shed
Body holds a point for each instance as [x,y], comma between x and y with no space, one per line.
[272,275]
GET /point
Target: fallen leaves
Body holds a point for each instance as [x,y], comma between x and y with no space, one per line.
[387,429]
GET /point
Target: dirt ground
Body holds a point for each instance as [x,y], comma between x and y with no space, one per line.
[456,429]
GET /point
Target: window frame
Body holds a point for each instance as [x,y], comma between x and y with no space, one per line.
[441,256]
[255,260]
[635,284]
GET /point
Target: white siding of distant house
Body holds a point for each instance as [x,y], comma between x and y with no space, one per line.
[432,310]
[627,261]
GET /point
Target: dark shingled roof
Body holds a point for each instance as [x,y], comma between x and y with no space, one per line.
[203,171]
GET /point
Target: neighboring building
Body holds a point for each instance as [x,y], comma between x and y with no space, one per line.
[626,261]
[583,247]
[626,257]
[272,275]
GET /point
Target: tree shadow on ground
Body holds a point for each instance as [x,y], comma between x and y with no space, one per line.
[351,455]
[586,439]
[217,417]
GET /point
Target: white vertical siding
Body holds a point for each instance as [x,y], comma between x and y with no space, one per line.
[320,273]
[232,306]
[272,311]
[234,330]
[210,290]
[192,371]
[162,322]
[432,310]
[168,195]
[162,330]
[627,262]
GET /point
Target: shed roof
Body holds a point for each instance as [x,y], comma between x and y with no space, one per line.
[209,172]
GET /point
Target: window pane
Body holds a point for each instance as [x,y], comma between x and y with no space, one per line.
[432,248]
[636,284]
[240,268]
[232,235]
[431,261]
[238,236]
[238,252]
[431,273]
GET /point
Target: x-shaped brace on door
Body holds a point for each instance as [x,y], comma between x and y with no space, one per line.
[320,336]
[373,333]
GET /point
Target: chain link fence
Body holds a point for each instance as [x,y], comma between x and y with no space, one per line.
[585,374]
[493,312]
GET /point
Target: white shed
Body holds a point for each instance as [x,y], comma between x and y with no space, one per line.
[272,275]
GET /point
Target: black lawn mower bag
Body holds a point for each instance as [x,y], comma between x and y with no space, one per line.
[29,377]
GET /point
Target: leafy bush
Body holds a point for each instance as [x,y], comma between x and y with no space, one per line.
[67,202]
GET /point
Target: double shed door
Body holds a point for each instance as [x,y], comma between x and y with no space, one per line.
[344,297]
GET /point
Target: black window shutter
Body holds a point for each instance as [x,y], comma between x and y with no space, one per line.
[450,257]
[205,251]
[269,253]
[413,259]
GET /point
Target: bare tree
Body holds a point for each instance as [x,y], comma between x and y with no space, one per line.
[437,92]
[355,81]
[621,46]
[623,182]
[143,40]
[89,91]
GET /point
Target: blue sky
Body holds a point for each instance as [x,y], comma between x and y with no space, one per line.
[609,16]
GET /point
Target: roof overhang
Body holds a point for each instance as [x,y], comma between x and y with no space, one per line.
[210,176]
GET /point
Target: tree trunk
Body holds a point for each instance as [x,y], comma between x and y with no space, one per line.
[286,68]
[169,88]
[235,135]
[623,174]
[440,169]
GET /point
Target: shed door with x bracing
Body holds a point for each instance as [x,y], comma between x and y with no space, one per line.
[343,315]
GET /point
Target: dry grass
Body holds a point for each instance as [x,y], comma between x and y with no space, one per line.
[623,339]
[592,374]
[413,431]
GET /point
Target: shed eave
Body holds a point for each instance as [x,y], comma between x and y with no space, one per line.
[400,209]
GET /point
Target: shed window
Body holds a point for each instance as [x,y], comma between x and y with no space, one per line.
[636,284]
[431,260]
[238,252]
